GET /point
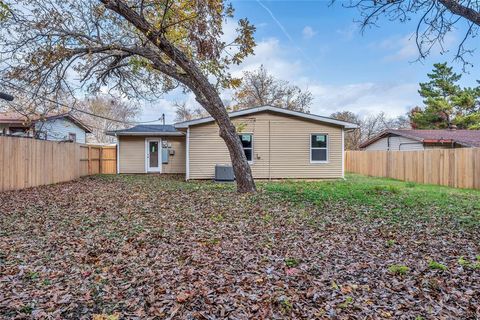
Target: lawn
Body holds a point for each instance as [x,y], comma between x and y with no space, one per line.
[151,247]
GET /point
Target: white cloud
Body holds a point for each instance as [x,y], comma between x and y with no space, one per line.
[270,54]
[404,48]
[364,98]
[348,32]
[401,48]
[284,62]
[308,32]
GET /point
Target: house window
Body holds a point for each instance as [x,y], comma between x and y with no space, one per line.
[72,137]
[247,144]
[319,148]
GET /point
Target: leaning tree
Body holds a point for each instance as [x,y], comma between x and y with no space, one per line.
[139,48]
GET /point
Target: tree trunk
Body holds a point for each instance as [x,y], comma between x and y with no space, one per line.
[241,168]
[195,80]
[214,105]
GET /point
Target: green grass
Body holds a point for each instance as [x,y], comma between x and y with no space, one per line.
[437,266]
[398,269]
[357,197]
[392,200]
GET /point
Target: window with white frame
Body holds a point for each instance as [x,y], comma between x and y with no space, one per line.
[319,147]
[247,144]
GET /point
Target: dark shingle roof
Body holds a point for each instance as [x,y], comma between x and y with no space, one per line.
[147,129]
[469,138]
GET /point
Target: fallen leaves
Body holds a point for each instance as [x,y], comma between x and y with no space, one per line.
[184,296]
[147,247]
[106,317]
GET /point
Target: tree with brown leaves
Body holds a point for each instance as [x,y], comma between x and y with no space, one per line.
[107,108]
[135,48]
[259,88]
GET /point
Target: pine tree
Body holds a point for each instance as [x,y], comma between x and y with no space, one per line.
[446,103]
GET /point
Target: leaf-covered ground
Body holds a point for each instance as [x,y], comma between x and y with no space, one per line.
[150,247]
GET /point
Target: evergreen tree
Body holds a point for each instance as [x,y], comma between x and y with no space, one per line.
[446,103]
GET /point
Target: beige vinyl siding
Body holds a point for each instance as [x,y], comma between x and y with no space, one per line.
[176,163]
[281,147]
[132,154]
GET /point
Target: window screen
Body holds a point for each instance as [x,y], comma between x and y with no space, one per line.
[318,148]
[247,144]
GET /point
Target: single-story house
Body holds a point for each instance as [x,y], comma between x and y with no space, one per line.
[278,143]
[57,127]
[410,139]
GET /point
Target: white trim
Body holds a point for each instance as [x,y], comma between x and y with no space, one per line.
[187,156]
[118,155]
[343,154]
[253,147]
[347,125]
[326,148]
[151,134]
[148,169]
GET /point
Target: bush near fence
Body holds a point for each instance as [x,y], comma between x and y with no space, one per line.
[458,168]
[28,162]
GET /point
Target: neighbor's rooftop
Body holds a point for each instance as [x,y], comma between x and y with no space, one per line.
[468,138]
[150,129]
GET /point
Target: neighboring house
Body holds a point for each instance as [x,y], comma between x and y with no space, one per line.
[278,143]
[409,139]
[60,127]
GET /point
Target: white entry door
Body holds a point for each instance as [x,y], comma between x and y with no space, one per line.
[154,155]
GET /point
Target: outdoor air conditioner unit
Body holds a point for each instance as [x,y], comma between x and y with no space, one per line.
[224,172]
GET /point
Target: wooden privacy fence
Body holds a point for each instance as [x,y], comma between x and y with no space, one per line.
[28,162]
[459,168]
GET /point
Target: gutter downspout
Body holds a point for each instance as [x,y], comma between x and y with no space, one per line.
[343,153]
[118,154]
[187,156]
[269,151]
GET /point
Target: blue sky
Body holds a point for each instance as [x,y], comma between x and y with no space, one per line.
[320,47]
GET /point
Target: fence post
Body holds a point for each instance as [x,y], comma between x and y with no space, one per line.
[89,160]
[100,161]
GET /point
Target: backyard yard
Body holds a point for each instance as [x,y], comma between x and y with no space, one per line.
[145,247]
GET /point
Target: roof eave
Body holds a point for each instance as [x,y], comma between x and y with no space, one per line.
[156,134]
[76,121]
[346,125]
[386,133]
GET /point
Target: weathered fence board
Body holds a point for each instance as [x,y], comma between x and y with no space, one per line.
[458,168]
[28,163]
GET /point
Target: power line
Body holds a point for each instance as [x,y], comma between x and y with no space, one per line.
[76,109]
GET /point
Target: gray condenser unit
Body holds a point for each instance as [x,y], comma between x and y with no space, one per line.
[224,172]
